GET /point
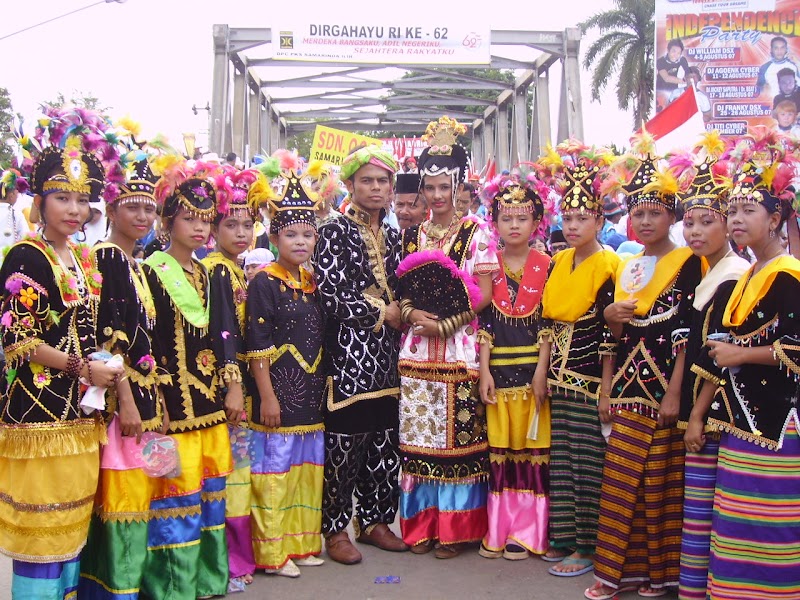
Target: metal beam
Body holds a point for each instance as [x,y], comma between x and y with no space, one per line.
[339,93]
[503,141]
[417,128]
[460,77]
[219,90]
[244,38]
[239,122]
[519,126]
[541,119]
[572,87]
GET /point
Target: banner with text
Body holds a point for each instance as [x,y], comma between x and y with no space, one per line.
[333,145]
[740,56]
[432,43]
[404,147]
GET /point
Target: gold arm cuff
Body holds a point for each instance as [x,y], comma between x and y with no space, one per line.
[701,372]
[786,361]
[484,337]
[230,373]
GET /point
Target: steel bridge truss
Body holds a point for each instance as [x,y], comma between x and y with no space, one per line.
[256,107]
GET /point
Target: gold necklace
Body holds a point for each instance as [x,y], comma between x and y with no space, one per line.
[437,234]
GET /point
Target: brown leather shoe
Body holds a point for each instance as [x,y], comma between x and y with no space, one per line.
[341,549]
[384,538]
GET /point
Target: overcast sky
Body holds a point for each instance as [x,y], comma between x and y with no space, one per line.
[152,59]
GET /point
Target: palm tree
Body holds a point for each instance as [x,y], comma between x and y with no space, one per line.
[625,49]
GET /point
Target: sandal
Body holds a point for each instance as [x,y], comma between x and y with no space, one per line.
[585,564]
[596,592]
[515,552]
[449,550]
[555,555]
[645,591]
[486,553]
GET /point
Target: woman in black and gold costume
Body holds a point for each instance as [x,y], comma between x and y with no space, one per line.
[118,537]
[49,309]
[756,521]
[187,553]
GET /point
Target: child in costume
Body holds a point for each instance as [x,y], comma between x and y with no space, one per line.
[704,199]
[50,446]
[233,232]
[14,224]
[641,499]
[518,426]
[756,522]
[572,352]
[442,420]
[113,563]
[284,347]
[187,552]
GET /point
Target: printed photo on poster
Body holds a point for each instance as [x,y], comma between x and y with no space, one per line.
[742,57]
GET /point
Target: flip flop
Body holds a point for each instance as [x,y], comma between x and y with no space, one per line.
[593,593]
[596,593]
[587,564]
[546,558]
[646,591]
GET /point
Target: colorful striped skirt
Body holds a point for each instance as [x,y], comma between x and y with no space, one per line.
[518,472]
[112,564]
[187,556]
[698,504]
[48,482]
[755,537]
[238,504]
[45,581]
[445,459]
[286,510]
[449,512]
[641,504]
[577,450]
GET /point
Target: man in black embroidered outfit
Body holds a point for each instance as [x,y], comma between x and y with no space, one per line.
[356,259]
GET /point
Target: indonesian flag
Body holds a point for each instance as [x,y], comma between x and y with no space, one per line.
[679,125]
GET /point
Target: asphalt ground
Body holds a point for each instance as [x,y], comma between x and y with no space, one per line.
[422,577]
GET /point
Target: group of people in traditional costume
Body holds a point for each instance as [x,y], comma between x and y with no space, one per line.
[635,418]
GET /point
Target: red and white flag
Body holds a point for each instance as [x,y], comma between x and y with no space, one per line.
[679,125]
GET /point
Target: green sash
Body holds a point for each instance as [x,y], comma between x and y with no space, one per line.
[180,289]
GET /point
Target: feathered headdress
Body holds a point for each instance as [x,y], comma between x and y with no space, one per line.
[578,171]
[765,171]
[704,178]
[10,180]
[327,182]
[513,197]
[69,150]
[296,203]
[638,176]
[233,187]
[181,186]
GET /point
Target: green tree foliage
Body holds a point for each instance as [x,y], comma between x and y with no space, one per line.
[504,75]
[79,99]
[6,122]
[301,142]
[625,50]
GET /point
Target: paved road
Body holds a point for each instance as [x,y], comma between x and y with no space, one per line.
[421,578]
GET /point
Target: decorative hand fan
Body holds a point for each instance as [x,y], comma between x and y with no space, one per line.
[434,283]
[637,274]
